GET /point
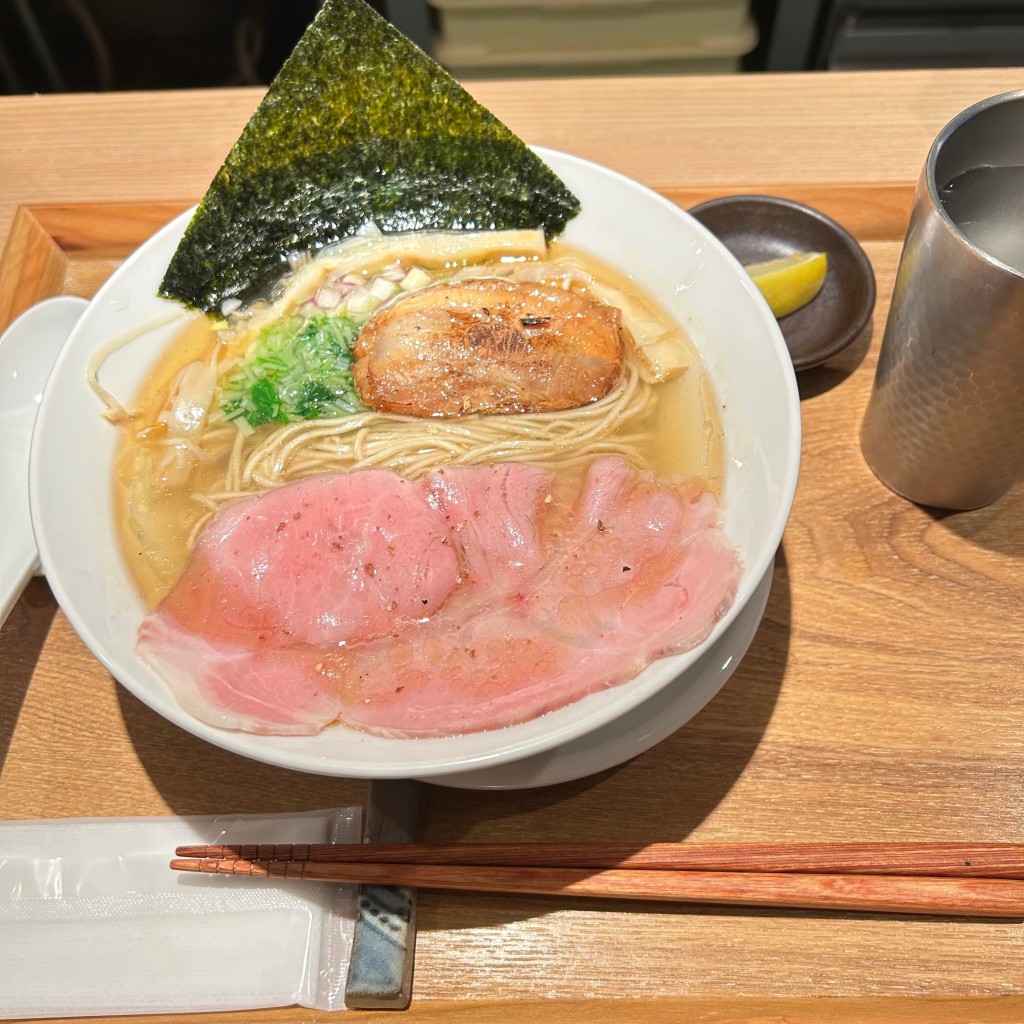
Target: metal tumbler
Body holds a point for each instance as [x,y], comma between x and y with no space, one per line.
[945,422]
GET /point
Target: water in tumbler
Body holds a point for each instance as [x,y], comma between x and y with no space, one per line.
[987,205]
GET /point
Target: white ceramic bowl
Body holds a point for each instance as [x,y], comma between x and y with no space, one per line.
[625,224]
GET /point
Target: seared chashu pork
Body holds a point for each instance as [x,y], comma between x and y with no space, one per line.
[488,346]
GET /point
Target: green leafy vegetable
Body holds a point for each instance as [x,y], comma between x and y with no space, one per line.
[295,370]
[358,125]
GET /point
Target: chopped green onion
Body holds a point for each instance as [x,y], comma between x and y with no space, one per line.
[295,369]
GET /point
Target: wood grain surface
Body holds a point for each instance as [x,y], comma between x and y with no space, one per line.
[882,698]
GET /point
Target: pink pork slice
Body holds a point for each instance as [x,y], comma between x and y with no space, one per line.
[536,599]
[633,571]
[277,580]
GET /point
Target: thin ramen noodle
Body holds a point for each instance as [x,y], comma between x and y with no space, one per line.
[185,450]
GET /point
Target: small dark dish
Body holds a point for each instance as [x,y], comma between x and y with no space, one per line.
[756,228]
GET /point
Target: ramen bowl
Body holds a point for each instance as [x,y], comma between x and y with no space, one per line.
[640,234]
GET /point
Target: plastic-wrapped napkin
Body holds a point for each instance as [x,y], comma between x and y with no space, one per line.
[93,921]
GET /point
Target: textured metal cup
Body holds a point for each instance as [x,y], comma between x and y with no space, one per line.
[945,423]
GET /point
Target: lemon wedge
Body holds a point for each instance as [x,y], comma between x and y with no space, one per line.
[790,282]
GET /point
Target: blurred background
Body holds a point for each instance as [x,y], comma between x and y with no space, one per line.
[87,45]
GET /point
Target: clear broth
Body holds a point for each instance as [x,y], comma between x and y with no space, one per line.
[156,521]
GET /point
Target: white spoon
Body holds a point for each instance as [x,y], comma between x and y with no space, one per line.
[28,349]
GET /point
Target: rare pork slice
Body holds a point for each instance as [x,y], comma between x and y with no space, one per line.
[245,684]
[493,513]
[334,559]
[532,593]
[634,570]
[328,561]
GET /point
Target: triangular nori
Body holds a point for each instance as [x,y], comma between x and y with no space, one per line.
[359,125]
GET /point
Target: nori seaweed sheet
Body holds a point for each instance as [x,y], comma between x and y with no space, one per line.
[359,125]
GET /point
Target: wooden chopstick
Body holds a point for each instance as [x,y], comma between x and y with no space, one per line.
[935,859]
[893,894]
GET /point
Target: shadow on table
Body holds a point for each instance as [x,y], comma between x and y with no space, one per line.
[21,643]
[998,527]
[820,379]
[196,777]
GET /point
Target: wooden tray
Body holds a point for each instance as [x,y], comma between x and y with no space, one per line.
[73,248]
[881,698]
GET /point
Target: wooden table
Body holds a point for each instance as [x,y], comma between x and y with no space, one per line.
[883,696]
